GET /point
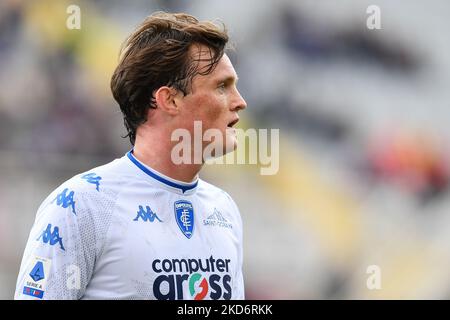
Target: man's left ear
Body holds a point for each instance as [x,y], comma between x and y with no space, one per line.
[166,100]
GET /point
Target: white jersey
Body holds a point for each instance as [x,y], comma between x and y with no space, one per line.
[125,231]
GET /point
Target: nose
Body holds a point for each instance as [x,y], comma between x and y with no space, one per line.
[239,102]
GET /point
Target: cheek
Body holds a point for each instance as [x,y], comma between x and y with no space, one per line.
[220,105]
[212,109]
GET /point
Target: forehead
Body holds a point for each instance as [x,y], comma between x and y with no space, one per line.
[224,68]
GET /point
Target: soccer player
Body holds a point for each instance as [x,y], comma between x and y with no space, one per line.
[143,226]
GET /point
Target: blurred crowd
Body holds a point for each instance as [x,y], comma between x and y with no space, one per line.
[364,141]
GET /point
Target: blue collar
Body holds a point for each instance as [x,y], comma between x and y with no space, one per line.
[183,187]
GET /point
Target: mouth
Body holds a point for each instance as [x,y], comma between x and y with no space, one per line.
[232,123]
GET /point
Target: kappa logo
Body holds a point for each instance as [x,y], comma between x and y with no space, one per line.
[217,219]
[184,215]
[92,178]
[65,200]
[146,215]
[51,237]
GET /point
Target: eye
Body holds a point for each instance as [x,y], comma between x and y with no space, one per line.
[222,86]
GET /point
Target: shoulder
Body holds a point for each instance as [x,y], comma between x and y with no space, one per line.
[217,194]
[92,190]
[224,204]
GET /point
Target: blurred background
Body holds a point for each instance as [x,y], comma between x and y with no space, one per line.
[364,134]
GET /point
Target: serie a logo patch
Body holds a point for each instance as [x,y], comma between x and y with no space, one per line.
[36,277]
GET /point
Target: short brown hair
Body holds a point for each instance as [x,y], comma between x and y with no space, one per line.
[156,54]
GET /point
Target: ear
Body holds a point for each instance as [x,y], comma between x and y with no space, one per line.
[165,100]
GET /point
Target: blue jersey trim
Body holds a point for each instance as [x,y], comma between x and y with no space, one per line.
[155,176]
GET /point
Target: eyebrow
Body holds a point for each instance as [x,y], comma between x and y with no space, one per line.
[228,79]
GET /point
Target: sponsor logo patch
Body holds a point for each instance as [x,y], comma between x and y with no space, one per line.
[194,278]
[217,219]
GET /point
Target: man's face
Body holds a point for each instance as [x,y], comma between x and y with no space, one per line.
[214,100]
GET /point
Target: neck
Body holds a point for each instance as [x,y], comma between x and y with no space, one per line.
[155,151]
